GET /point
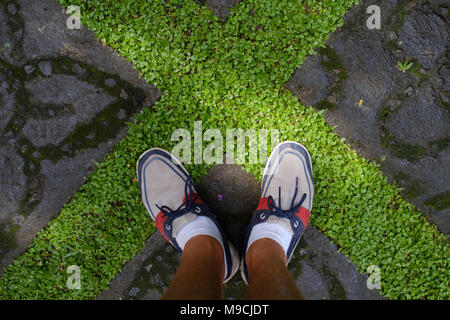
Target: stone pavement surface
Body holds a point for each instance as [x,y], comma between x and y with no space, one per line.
[400,119]
[64,101]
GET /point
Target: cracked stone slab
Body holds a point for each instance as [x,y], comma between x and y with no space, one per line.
[10,49]
[400,119]
[46,35]
[60,89]
[12,182]
[54,186]
[311,75]
[64,102]
[423,36]
[7,100]
[320,271]
[420,120]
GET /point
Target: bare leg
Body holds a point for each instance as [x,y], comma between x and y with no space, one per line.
[269,277]
[201,272]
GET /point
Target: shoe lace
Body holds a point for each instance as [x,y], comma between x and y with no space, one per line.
[277,211]
[186,206]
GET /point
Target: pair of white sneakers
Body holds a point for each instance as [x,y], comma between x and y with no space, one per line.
[287,192]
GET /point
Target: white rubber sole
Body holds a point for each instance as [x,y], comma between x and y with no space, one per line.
[241,266]
[235,261]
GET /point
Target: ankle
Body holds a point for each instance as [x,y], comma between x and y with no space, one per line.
[263,253]
[205,250]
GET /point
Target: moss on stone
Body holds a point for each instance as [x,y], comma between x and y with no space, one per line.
[439,202]
[14,22]
[411,189]
[156,272]
[416,69]
[325,105]
[383,114]
[7,238]
[399,15]
[401,150]
[442,143]
[335,288]
[333,62]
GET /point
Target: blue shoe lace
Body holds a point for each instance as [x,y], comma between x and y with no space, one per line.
[184,207]
[277,211]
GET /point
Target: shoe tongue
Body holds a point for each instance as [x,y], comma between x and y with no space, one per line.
[284,222]
[181,221]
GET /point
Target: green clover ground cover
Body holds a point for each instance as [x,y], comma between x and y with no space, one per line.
[227,76]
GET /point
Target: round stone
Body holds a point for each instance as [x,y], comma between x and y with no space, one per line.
[45,67]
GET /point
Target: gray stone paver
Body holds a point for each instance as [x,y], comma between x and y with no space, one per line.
[403,120]
[52,89]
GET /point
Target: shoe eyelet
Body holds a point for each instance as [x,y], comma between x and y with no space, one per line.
[296,224]
[168,227]
[262,216]
[197,209]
